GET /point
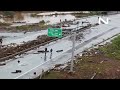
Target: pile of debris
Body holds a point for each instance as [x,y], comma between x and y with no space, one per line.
[59,67]
[6,51]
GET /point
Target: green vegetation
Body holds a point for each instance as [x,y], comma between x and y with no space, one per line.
[85,69]
[81,14]
[25,27]
[53,75]
[4,24]
[32,27]
[95,12]
[88,65]
[112,50]
[34,15]
[8,13]
[42,22]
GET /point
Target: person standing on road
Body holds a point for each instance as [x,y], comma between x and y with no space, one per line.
[25,32]
[65,20]
[60,20]
[45,54]
[82,22]
[51,50]
[1,42]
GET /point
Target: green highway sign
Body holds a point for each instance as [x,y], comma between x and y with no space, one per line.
[54,32]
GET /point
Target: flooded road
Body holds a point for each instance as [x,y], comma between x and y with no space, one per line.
[27,18]
[31,62]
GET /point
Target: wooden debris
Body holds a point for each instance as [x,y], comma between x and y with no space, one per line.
[93,75]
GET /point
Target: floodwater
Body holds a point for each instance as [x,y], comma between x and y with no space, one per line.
[26,18]
[9,37]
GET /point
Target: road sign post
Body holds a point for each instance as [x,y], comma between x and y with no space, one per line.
[55,32]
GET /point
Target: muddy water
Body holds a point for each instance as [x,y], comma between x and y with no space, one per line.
[26,18]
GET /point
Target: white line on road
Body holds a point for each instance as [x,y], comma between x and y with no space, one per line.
[29,71]
[33,68]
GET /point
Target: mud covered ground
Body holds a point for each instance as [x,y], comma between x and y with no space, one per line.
[9,50]
[13,49]
[92,64]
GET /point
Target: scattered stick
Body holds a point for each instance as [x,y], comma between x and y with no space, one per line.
[93,75]
[101,62]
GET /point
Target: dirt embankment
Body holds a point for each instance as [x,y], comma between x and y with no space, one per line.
[93,64]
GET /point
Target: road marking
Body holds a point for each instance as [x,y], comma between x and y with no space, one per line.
[56,56]
[33,68]
[36,67]
[27,71]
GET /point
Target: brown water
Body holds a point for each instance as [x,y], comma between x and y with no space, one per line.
[28,19]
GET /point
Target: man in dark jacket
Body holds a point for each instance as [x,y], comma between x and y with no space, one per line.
[1,42]
[45,54]
[51,50]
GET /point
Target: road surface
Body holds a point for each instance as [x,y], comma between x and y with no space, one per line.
[34,62]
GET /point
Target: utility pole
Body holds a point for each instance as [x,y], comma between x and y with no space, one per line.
[73,49]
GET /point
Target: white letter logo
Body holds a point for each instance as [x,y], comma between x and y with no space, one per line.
[103,21]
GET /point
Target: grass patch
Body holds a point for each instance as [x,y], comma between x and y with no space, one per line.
[33,27]
[112,50]
[39,26]
[33,15]
[53,75]
[85,70]
[4,24]
[80,15]
[88,65]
